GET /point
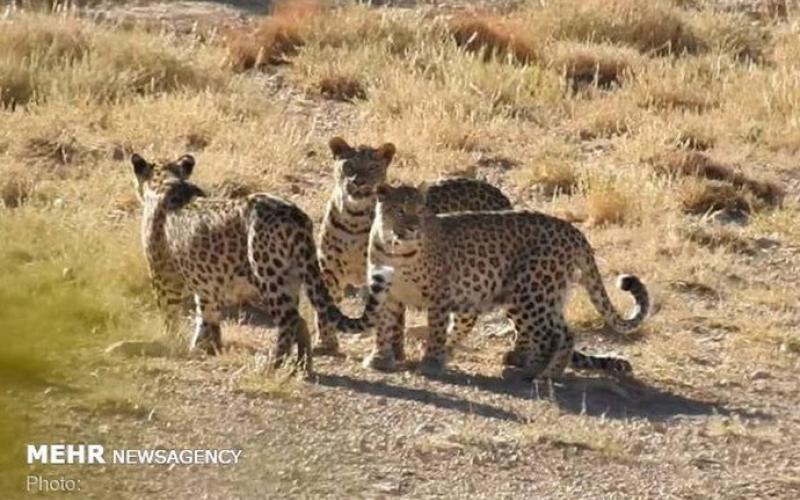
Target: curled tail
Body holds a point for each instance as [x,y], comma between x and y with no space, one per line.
[380,281]
[593,282]
[609,364]
[320,298]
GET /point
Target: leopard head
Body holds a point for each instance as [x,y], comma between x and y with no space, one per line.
[402,210]
[166,181]
[359,171]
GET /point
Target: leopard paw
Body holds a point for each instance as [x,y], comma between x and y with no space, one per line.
[380,361]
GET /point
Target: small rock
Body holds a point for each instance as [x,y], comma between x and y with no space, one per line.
[760,375]
[132,348]
[68,274]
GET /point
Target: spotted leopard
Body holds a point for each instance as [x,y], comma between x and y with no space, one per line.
[220,251]
[457,266]
[350,211]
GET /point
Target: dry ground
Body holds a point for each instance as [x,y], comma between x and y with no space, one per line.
[668,130]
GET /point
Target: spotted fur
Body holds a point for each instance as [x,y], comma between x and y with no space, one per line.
[351,210]
[459,265]
[223,251]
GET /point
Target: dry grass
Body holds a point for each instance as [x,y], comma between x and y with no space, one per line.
[662,83]
[696,164]
[697,137]
[493,36]
[607,205]
[579,438]
[665,87]
[605,118]
[719,238]
[703,198]
[341,88]
[602,66]
[654,27]
[62,57]
[649,26]
[275,38]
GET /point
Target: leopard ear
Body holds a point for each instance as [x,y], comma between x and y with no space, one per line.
[382,191]
[141,168]
[339,147]
[185,166]
[387,151]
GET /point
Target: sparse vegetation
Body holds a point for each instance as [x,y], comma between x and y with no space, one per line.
[645,118]
[603,66]
[276,37]
[493,36]
[341,88]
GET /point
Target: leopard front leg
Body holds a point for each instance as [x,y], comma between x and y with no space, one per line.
[389,331]
[435,359]
[170,297]
[208,335]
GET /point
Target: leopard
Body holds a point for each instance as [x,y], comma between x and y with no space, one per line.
[258,249]
[350,211]
[457,266]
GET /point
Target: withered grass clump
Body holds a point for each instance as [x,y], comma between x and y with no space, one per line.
[695,139]
[552,178]
[719,237]
[603,66]
[341,88]
[709,197]
[651,26]
[16,187]
[275,38]
[695,164]
[669,99]
[607,206]
[493,36]
[43,57]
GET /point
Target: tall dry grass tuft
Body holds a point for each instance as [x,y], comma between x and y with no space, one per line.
[342,88]
[651,26]
[600,65]
[705,197]
[695,164]
[45,57]
[493,36]
[276,37]
[607,205]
